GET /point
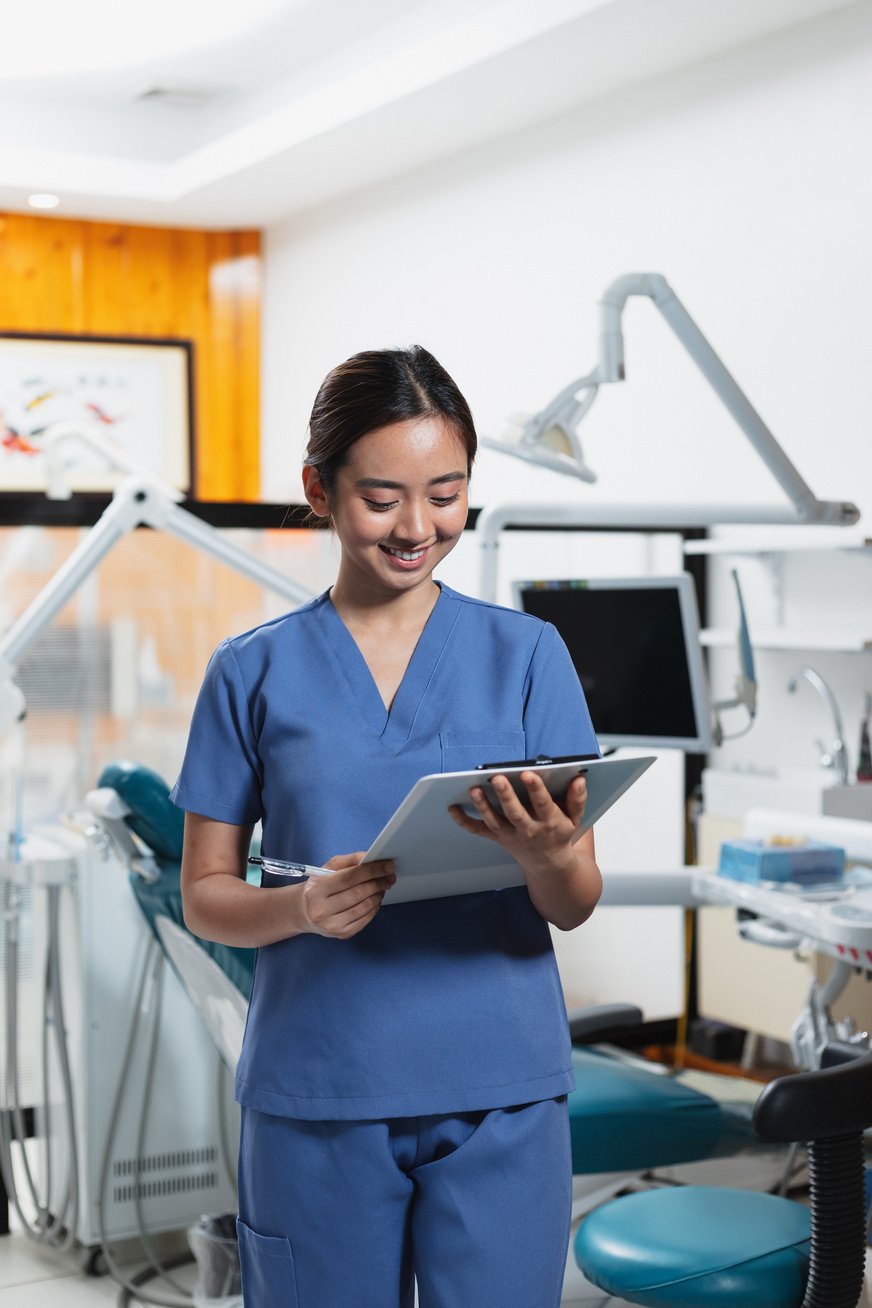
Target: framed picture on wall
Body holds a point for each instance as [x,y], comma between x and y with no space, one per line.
[79,413]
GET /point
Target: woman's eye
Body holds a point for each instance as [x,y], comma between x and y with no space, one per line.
[378,507]
[442,501]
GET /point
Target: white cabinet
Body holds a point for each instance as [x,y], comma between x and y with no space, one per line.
[798,564]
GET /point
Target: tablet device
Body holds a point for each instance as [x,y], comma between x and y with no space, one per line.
[435,857]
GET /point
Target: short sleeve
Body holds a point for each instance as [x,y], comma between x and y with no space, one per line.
[221,773]
[556,716]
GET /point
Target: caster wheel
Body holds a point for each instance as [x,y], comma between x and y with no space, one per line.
[95,1264]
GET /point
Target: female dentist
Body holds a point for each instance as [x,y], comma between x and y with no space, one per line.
[404,1072]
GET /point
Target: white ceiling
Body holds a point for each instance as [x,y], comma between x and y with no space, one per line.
[281,105]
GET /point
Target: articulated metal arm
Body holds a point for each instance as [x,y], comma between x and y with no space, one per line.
[809,509]
[549,438]
[138,501]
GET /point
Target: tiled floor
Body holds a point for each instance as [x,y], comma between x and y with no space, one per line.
[31,1277]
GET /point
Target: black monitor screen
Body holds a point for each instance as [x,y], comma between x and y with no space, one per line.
[629,645]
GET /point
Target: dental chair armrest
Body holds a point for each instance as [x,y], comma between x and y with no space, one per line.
[817,1105]
[591,1023]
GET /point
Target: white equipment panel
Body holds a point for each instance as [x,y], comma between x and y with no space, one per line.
[176,1171]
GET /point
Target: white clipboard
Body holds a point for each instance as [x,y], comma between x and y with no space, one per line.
[435,857]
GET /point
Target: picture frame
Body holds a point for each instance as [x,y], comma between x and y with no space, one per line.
[124,397]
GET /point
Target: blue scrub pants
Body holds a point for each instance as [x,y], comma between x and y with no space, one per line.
[342,1214]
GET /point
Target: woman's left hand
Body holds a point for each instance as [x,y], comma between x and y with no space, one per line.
[538,837]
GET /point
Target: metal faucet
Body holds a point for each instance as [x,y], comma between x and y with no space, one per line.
[837,755]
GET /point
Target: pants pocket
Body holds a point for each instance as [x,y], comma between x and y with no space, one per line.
[267,1264]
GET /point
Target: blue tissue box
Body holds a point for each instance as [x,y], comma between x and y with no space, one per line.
[755,860]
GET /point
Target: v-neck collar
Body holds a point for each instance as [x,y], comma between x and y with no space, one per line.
[393,726]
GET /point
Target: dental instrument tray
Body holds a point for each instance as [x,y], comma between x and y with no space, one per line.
[835,918]
[435,857]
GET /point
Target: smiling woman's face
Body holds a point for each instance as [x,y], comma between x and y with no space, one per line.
[399,504]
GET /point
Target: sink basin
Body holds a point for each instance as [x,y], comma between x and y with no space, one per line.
[730,794]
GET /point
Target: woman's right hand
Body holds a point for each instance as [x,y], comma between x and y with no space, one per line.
[341,905]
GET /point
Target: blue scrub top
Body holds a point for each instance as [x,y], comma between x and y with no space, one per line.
[440,1006]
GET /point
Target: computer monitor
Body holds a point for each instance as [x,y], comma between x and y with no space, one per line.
[635,645]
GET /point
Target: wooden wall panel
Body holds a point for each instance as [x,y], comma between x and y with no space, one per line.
[114,279]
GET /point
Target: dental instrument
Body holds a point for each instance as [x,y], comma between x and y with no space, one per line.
[746,680]
[864,754]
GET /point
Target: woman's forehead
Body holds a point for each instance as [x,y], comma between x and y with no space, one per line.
[408,450]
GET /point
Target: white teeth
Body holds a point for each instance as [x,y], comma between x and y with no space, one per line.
[408,555]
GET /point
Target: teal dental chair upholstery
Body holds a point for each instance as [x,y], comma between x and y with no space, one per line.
[160,825]
[625,1118]
[705,1247]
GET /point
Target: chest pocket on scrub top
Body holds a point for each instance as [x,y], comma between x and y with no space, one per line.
[462,751]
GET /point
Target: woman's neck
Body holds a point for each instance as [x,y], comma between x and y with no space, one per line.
[360,607]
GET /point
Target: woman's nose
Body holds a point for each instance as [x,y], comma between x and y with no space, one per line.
[414,522]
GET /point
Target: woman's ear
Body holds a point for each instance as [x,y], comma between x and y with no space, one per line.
[313,489]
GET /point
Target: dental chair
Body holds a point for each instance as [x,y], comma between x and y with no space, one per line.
[706,1247]
[630,1118]
[633,1123]
[132,809]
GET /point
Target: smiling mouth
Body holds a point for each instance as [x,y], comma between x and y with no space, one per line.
[408,556]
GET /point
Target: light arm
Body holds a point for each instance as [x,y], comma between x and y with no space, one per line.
[611,368]
[137,502]
[554,427]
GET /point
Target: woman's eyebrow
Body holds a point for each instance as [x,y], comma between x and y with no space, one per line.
[379,483]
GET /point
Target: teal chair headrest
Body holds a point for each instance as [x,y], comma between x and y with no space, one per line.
[161,825]
[153,816]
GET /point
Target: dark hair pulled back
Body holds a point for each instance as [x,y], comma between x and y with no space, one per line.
[374,389]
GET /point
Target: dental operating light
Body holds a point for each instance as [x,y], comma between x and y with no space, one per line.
[550,438]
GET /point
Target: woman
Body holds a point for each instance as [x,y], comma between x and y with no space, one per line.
[404,1070]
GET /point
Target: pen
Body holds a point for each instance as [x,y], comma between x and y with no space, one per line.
[284,869]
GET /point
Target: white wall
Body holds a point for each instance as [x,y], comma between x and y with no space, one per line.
[744,181]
